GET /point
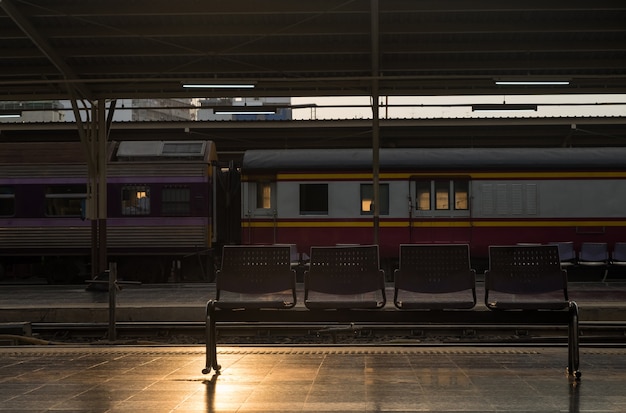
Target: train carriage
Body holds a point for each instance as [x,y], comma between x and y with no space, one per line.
[160,204]
[477,196]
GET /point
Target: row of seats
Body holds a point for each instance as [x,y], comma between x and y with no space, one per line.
[592,254]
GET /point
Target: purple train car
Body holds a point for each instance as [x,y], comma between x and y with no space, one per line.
[161,211]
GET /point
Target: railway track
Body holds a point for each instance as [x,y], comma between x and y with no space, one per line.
[611,333]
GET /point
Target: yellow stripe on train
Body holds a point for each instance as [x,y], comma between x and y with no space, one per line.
[430,224]
[473,175]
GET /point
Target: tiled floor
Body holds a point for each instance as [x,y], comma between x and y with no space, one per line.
[309,379]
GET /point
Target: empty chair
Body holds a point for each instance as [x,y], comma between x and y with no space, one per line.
[434,277]
[618,257]
[525,278]
[344,277]
[567,253]
[252,278]
[530,280]
[594,254]
[259,275]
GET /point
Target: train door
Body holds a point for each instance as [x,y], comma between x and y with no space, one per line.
[259,210]
[440,209]
[227,218]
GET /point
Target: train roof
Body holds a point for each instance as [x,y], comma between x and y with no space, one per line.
[435,158]
[165,150]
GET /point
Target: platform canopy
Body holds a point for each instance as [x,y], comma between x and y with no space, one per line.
[58,49]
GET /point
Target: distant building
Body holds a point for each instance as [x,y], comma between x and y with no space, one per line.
[162,110]
[33,111]
[146,110]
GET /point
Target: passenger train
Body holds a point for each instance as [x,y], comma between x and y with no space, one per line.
[164,210]
[476,196]
[172,205]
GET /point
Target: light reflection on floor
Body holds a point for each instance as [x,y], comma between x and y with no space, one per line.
[309,379]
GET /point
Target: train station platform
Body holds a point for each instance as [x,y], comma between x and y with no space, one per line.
[598,301]
[113,377]
[137,379]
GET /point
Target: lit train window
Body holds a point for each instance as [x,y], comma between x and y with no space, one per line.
[176,202]
[65,200]
[423,195]
[442,195]
[367,199]
[263,195]
[136,200]
[313,199]
[7,201]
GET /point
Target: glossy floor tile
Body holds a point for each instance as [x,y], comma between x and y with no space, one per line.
[309,379]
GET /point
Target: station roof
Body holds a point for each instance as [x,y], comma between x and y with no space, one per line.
[89,49]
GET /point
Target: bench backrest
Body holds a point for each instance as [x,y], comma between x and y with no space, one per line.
[594,252]
[525,270]
[345,270]
[434,270]
[255,269]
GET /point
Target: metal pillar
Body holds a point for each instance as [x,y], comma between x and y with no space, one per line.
[101,156]
[375,117]
[93,132]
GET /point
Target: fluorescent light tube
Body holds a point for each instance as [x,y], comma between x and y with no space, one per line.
[532,82]
[219,85]
[503,107]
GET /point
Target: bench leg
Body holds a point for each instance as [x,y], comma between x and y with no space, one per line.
[573,342]
[211,344]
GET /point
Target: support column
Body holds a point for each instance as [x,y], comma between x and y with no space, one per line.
[93,134]
[101,156]
[375,118]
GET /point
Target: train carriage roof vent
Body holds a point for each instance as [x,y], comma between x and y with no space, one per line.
[145,150]
[183,148]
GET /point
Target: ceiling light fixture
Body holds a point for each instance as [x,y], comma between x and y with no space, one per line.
[219,85]
[245,110]
[503,107]
[10,114]
[532,82]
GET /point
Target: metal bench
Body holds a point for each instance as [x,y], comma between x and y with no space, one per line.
[345,285]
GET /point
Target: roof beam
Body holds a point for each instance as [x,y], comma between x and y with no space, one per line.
[42,44]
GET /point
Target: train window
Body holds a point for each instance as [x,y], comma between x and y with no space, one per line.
[442,195]
[367,199]
[136,200]
[313,199]
[423,195]
[263,195]
[7,201]
[176,202]
[65,200]
[461,195]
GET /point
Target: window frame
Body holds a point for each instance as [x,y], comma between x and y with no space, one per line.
[74,195]
[307,197]
[7,200]
[176,210]
[445,195]
[126,209]
[383,195]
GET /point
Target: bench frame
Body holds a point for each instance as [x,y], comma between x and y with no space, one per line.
[466,318]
